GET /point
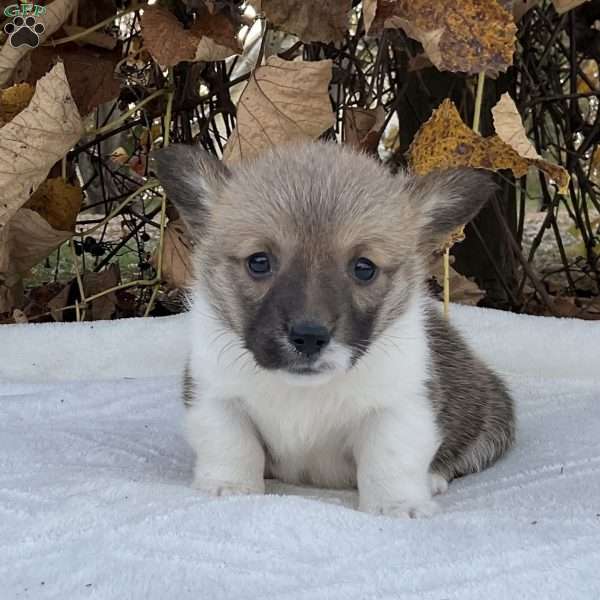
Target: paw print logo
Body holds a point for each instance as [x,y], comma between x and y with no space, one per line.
[24,32]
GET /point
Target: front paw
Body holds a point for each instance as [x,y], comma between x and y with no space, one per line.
[403,509]
[228,488]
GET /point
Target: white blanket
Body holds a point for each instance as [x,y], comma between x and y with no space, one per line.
[95,499]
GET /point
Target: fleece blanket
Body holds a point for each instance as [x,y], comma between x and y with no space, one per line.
[95,499]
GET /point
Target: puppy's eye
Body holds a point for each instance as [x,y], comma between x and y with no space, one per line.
[259,264]
[363,269]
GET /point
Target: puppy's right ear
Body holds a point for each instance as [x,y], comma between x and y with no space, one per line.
[192,179]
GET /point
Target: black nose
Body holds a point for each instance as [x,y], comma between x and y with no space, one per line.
[309,338]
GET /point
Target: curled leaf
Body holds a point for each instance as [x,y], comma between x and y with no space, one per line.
[37,138]
[469,36]
[283,101]
[509,127]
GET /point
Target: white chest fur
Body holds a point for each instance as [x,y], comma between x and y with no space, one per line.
[309,433]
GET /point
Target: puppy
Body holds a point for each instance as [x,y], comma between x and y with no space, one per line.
[317,356]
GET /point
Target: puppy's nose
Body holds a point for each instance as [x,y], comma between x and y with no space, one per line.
[309,338]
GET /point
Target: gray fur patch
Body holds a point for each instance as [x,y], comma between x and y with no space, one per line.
[474,410]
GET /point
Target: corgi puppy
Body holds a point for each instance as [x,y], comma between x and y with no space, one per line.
[317,355]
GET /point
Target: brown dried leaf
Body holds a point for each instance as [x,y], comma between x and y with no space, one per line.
[362,127]
[509,127]
[218,36]
[169,43]
[176,262]
[310,20]
[58,202]
[13,100]
[102,308]
[464,291]
[35,140]
[283,101]
[563,6]
[24,242]
[56,14]
[90,72]
[445,141]
[520,7]
[95,38]
[469,36]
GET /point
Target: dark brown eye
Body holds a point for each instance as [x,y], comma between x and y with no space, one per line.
[259,264]
[363,269]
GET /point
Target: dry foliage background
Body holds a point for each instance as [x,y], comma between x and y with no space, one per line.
[511,86]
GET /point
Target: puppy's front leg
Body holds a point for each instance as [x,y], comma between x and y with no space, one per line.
[393,455]
[229,456]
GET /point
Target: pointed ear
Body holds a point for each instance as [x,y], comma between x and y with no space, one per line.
[192,179]
[445,200]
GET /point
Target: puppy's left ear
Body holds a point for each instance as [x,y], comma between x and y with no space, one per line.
[445,200]
[192,179]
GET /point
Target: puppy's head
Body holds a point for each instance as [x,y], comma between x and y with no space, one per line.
[310,252]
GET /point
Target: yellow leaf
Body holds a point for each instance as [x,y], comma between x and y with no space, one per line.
[13,100]
[283,101]
[445,141]
[58,202]
[470,36]
[37,138]
[310,20]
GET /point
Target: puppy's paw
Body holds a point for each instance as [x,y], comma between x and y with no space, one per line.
[439,485]
[403,509]
[228,488]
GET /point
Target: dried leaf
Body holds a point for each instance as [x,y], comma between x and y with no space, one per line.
[509,127]
[58,202]
[563,6]
[445,141]
[469,36]
[90,73]
[176,262]
[35,140]
[95,38]
[283,101]
[102,308]
[591,70]
[362,127]
[13,100]
[218,36]
[310,20]
[464,291]
[169,43]
[56,14]
[520,7]
[27,239]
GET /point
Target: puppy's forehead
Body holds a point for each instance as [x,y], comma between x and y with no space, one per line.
[300,195]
